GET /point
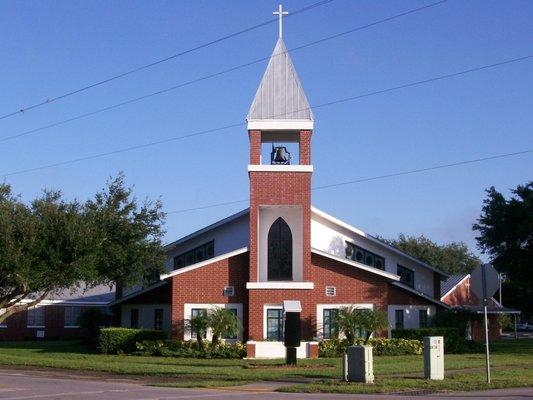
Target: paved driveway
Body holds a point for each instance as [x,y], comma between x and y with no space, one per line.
[17,385]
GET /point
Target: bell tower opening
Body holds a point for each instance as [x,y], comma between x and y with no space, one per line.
[279,149]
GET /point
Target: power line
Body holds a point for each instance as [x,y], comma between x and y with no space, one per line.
[216,74]
[160,61]
[373,178]
[213,130]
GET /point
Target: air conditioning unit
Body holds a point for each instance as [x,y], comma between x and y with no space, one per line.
[331,291]
[229,291]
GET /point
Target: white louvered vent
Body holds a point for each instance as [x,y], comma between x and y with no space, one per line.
[228,291]
[331,291]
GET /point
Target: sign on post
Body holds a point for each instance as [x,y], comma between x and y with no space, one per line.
[485,280]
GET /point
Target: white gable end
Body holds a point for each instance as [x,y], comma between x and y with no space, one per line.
[330,237]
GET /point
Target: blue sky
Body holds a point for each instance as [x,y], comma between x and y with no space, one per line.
[49,48]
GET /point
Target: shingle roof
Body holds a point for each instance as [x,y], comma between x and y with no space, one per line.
[280,95]
[449,284]
[97,294]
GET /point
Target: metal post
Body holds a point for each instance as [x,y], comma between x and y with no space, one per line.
[487,355]
[515,327]
[487,345]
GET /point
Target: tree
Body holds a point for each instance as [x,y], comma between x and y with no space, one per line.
[505,230]
[223,322]
[53,244]
[350,320]
[90,321]
[372,321]
[198,326]
[452,258]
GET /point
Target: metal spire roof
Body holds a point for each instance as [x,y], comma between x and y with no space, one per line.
[280,95]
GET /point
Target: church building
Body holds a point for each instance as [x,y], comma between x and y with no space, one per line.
[282,250]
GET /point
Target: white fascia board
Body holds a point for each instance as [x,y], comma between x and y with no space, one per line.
[204,263]
[374,240]
[453,288]
[280,285]
[206,229]
[364,267]
[280,125]
[280,168]
[66,302]
[138,292]
[423,295]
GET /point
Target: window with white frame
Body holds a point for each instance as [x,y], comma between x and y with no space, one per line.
[328,323]
[195,313]
[35,317]
[72,313]
[274,322]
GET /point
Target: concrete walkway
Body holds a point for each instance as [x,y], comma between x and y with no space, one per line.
[21,385]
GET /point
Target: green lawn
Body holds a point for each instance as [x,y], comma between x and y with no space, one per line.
[512,363]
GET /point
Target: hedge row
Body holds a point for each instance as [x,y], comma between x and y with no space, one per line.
[123,340]
[452,340]
[381,347]
[190,349]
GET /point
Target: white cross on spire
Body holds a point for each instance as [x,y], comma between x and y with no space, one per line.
[280,13]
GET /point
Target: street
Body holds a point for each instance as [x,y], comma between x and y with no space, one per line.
[22,385]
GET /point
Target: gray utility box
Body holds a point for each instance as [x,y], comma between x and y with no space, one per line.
[358,365]
[434,357]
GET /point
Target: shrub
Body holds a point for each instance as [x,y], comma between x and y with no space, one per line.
[191,349]
[150,347]
[458,318]
[381,346]
[123,340]
[452,340]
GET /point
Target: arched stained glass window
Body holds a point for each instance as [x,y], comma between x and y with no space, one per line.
[279,251]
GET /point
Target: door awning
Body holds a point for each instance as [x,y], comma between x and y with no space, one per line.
[292,306]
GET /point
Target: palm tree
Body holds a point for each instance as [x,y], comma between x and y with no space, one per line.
[198,325]
[223,322]
[372,321]
[346,321]
[350,320]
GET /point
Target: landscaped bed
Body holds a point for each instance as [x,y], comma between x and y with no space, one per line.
[512,362]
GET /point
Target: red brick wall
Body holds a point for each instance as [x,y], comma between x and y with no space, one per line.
[462,295]
[352,286]
[54,321]
[206,285]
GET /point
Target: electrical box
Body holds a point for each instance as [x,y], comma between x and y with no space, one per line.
[359,365]
[434,357]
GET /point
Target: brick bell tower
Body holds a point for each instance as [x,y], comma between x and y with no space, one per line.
[280,125]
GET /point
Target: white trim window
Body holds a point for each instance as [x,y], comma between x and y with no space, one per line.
[72,313]
[191,310]
[274,324]
[35,317]
[325,314]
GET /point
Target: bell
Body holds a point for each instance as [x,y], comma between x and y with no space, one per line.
[281,155]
